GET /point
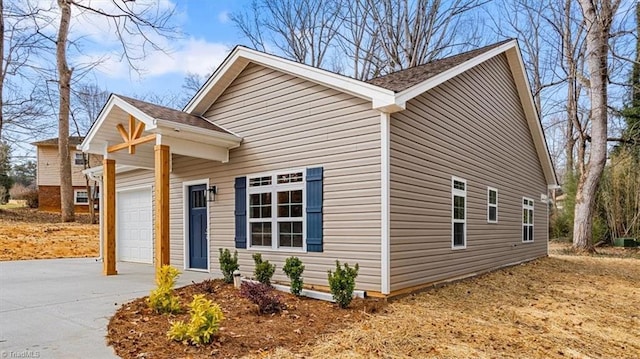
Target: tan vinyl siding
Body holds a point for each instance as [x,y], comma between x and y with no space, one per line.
[471,127]
[48,170]
[290,123]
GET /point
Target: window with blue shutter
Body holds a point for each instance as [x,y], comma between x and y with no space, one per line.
[241,212]
[314,209]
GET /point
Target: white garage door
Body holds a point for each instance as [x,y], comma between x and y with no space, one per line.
[134,226]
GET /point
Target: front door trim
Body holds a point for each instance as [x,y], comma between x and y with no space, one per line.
[186,221]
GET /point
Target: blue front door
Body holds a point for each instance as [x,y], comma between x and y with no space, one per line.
[198,250]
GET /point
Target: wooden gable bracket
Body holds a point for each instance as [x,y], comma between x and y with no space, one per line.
[132,138]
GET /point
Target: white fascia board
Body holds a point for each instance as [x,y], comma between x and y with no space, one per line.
[361,89]
[180,130]
[114,100]
[519,72]
[406,95]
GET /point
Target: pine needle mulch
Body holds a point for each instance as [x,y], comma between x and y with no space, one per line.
[29,234]
[557,307]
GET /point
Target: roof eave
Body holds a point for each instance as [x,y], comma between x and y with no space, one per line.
[241,56]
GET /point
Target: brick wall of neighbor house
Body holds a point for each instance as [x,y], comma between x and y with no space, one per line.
[472,127]
[291,123]
[49,199]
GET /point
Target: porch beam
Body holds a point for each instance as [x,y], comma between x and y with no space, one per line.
[108,209]
[137,141]
[162,155]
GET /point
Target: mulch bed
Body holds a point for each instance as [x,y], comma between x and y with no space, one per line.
[136,331]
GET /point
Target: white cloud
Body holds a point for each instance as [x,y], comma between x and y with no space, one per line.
[188,55]
[224,17]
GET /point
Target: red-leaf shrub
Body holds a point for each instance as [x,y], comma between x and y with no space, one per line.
[263,296]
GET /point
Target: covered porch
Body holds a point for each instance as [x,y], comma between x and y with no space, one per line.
[132,134]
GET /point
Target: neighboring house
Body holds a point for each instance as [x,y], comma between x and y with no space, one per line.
[424,175]
[48,174]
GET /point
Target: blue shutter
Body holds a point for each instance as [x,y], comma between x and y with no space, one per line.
[314,209]
[241,212]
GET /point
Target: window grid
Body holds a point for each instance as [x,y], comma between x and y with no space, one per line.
[458,213]
[527,220]
[276,210]
[492,205]
[81,197]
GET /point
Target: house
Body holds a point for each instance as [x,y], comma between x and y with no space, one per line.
[48,174]
[424,175]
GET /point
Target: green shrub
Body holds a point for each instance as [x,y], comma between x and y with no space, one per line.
[264,270]
[293,268]
[203,325]
[162,299]
[228,264]
[342,283]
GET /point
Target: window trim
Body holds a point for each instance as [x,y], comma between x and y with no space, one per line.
[75,159]
[490,205]
[75,197]
[274,187]
[532,224]
[459,193]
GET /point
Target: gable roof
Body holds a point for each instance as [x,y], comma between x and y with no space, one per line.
[173,115]
[403,79]
[73,141]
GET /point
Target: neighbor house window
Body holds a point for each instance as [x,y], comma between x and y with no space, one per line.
[276,210]
[81,197]
[459,215]
[78,159]
[492,205]
[527,220]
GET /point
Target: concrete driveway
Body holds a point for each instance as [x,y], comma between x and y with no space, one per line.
[60,308]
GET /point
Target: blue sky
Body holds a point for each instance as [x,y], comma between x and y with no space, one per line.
[208,35]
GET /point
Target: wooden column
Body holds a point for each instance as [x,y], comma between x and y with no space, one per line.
[109,217]
[161,205]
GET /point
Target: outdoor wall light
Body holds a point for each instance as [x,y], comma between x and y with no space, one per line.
[213,190]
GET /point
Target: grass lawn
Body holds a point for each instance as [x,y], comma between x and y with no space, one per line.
[29,234]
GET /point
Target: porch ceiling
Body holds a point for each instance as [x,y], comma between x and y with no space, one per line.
[193,137]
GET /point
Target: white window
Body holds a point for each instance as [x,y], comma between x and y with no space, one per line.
[527,220]
[80,197]
[458,213]
[492,205]
[276,210]
[78,159]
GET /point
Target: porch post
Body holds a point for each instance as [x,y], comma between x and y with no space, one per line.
[161,205]
[109,217]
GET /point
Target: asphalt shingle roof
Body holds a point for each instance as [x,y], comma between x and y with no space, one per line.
[401,80]
[73,141]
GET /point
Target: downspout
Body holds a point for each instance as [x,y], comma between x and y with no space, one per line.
[385,244]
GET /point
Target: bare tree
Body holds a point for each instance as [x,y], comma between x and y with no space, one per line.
[598,18]
[128,20]
[22,113]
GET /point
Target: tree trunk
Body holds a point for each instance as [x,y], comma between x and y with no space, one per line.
[1,65]
[598,25]
[64,86]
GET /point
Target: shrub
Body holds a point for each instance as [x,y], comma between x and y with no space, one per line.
[162,299]
[264,270]
[342,283]
[228,264]
[263,296]
[32,198]
[203,325]
[293,268]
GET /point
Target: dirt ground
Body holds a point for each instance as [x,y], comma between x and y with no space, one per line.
[30,234]
[564,306]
